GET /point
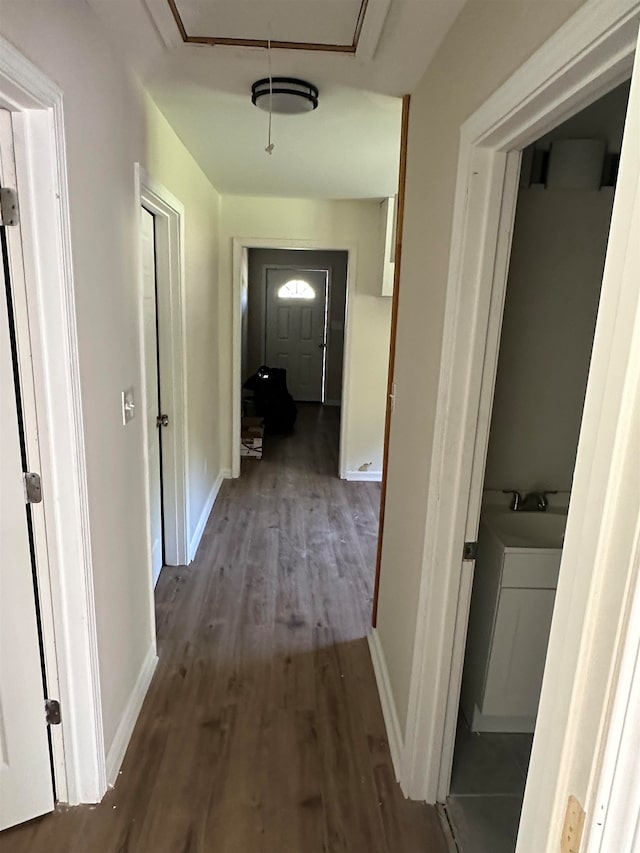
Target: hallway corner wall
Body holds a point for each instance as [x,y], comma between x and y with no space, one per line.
[105,136]
[466,70]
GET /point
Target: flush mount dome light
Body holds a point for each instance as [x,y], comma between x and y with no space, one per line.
[288,95]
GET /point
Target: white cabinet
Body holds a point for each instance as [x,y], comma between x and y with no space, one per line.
[387,243]
[509,623]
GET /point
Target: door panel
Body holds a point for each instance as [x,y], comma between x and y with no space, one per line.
[296,331]
[26,786]
[151,382]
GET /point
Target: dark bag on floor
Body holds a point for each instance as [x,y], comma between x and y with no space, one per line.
[272,400]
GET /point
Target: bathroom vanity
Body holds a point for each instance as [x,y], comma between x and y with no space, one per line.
[515,578]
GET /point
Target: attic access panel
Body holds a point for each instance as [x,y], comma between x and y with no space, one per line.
[325,25]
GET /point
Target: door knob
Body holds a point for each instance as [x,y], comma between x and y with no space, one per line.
[322,346]
[162,420]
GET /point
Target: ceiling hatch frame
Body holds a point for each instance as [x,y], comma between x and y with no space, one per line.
[370,35]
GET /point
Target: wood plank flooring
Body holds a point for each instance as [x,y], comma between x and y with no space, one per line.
[262,730]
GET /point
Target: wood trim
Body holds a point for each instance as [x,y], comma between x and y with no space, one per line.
[402,179]
[275,45]
[359,23]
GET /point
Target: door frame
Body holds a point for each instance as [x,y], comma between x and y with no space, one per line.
[591,54]
[242,244]
[168,212]
[327,306]
[65,577]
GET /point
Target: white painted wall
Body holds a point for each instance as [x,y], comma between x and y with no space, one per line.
[105,123]
[555,274]
[105,135]
[462,75]
[170,163]
[334,224]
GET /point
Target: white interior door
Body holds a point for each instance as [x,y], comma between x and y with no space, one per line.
[26,785]
[151,383]
[296,329]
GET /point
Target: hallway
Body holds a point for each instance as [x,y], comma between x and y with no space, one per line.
[262,730]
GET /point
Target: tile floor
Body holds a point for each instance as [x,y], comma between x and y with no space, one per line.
[487,787]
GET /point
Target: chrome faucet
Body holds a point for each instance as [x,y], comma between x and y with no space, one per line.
[533,502]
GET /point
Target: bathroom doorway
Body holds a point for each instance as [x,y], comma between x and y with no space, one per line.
[562,219]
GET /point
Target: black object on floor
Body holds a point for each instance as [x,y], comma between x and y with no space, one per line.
[272,399]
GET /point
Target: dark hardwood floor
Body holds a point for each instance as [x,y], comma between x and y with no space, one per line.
[262,730]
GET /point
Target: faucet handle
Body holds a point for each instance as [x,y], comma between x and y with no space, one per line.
[516,499]
[543,498]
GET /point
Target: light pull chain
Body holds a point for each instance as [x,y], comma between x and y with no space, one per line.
[270,144]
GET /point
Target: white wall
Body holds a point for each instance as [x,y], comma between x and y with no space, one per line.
[105,124]
[170,163]
[105,135]
[332,225]
[555,274]
[489,40]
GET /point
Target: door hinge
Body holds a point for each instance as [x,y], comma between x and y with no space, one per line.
[470,551]
[8,206]
[33,487]
[52,712]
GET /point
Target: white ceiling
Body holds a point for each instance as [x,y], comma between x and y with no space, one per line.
[347,148]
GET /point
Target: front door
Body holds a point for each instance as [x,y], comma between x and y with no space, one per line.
[296,336]
[26,784]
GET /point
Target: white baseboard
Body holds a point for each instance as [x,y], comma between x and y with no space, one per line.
[363,476]
[204,515]
[127,723]
[389,712]
[226,474]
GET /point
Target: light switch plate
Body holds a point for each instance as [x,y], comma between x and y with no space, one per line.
[128,406]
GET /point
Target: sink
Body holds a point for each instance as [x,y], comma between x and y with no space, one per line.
[528,529]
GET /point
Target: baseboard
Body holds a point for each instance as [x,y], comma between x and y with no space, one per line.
[363,476]
[120,742]
[204,515]
[493,723]
[226,474]
[389,712]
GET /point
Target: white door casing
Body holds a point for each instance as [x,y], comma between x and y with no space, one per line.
[151,378]
[295,337]
[40,255]
[168,214]
[239,245]
[26,785]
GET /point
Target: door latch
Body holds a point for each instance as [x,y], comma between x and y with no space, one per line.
[470,551]
[162,420]
[52,712]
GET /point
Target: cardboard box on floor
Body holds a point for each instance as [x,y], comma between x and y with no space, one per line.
[251,438]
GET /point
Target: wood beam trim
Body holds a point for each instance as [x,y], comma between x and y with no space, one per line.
[402,180]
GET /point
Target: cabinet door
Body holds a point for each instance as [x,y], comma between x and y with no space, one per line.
[518,652]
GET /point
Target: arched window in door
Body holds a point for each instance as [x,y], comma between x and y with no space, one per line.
[296,289]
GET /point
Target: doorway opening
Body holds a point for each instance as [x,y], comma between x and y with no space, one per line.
[156,419]
[163,369]
[294,320]
[558,250]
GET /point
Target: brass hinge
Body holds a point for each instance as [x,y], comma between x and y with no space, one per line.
[32,487]
[8,207]
[52,712]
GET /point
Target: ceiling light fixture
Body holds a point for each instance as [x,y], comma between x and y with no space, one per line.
[285,95]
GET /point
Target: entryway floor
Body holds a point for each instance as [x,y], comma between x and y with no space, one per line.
[487,788]
[262,730]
